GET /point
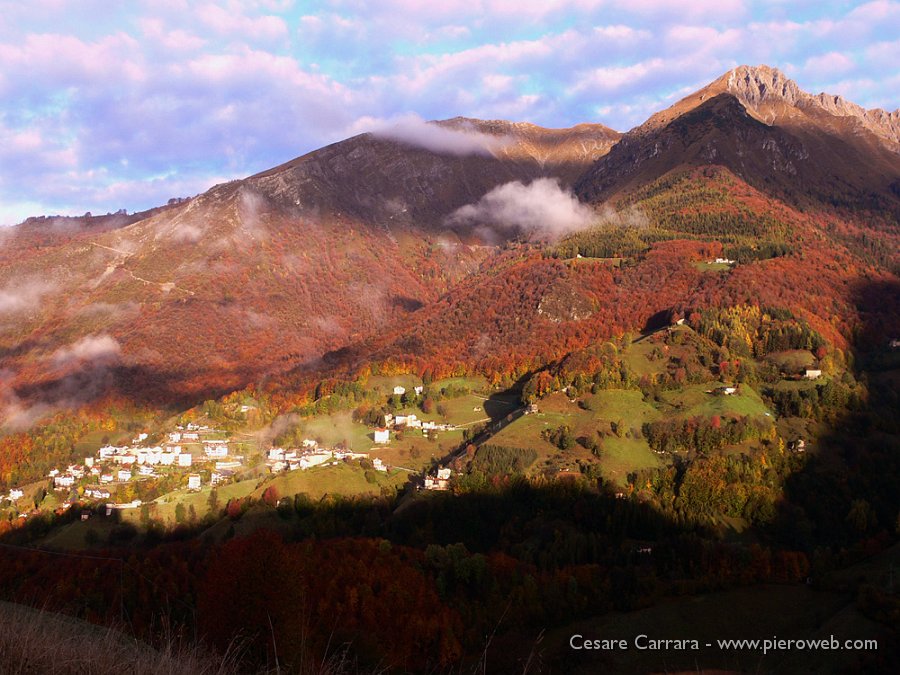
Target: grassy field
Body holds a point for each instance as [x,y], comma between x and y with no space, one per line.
[91,442]
[586,260]
[416,452]
[637,357]
[339,427]
[799,385]
[473,383]
[793,361]
[341,479]
[464,410]
[619,455]
[164,509]
[712,266]
[386,383]
[694,401]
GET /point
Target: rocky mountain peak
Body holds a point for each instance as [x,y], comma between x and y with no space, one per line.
[772,97]
[755,84]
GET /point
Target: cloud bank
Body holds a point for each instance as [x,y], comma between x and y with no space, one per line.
[540,209]
[413,130]
[99,349]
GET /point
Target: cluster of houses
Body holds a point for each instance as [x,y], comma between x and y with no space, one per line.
[439,481]
[399,391]
[310,455]
[120,464]
[382,435]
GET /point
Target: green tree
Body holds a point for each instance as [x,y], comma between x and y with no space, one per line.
[213,501]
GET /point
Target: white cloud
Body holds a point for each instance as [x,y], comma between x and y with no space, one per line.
[92,348]
[24,295]
[541,209]
[413,130]
[826,65]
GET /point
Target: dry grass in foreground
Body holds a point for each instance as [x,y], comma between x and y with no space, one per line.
[40,642]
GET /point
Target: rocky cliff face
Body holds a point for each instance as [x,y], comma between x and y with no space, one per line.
[763,127]
[774,99]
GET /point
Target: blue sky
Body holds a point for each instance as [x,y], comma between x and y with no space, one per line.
[107,105]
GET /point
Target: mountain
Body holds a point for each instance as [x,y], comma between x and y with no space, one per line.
[202,296]
[765,129]
[800,188]
[416,177]
[347,250]
[685,398]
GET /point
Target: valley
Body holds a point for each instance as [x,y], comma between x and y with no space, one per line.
[388,375]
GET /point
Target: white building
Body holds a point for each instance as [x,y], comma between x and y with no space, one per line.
[185,459]
[15,494]
[227,465]
[399,391]
[108,451]
[175,437]
[124,475]
[63,481]
[812,374]
[382,436]
[146,470]
[419,390]
[378,465]
[220,477]
[106,478]
[124,459]
[276,454]
[441,481]
[314,459]
[310,443]
[139,439]
[194,482]
[215,450]
[120,507]
[167,458]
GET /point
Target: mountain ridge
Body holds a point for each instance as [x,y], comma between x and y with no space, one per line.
[275,271]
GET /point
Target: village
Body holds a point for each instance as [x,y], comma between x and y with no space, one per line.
[197,455]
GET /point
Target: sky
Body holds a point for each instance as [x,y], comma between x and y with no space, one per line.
[107,105]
